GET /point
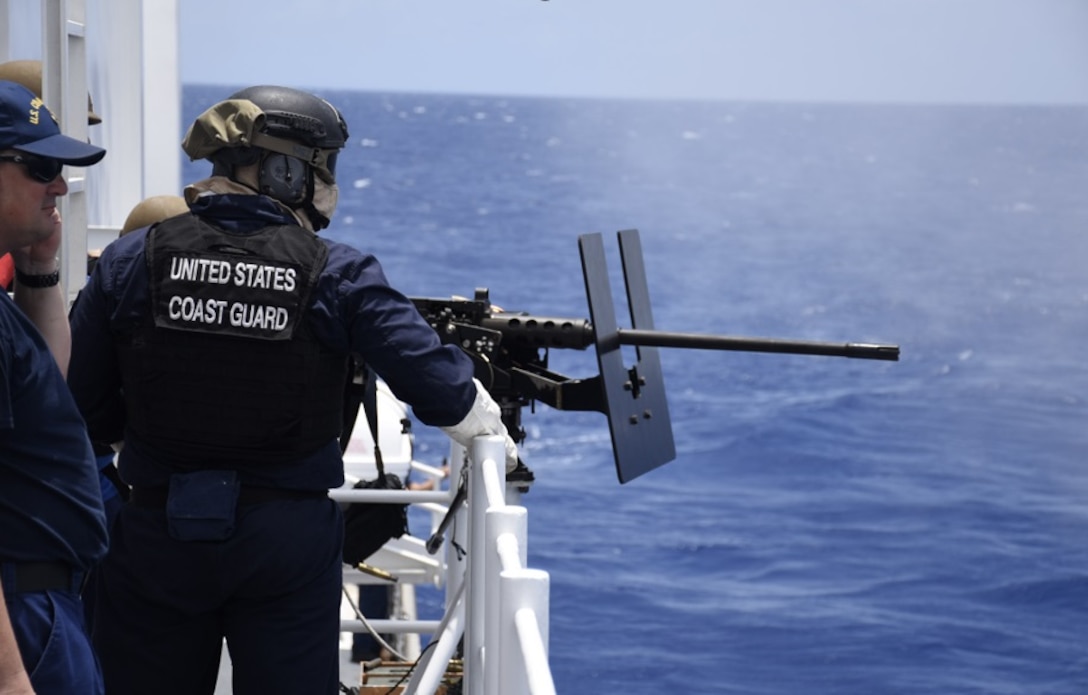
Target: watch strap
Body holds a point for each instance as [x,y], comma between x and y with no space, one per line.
[38,281]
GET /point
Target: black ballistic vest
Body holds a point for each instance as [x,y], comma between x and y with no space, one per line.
[224,371]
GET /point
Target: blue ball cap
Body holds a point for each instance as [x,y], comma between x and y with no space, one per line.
[27,125]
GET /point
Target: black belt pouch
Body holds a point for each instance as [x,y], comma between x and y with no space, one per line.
[200,505]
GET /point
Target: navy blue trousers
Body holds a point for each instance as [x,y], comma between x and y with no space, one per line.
[272,591]
[53,640]
[113,508]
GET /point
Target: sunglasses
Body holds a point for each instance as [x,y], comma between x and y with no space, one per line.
[44,169]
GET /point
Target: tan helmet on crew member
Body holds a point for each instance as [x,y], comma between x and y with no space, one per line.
[293,136]
[151,210]
[29,74]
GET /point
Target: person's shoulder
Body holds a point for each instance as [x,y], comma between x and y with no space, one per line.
[122,250]
[131,244]
[340,248]
[14,335]
[346,258]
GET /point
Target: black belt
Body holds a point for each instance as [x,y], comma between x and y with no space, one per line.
[155,497]
[42,576]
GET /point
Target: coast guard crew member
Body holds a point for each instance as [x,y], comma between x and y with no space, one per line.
[52,524]
[29,74]
[216,346]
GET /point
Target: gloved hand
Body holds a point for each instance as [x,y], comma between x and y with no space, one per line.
[483,418]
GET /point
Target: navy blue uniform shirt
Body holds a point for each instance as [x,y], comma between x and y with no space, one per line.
[50,501]
[353,309]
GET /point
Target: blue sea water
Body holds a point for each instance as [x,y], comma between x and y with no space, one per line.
[829,525]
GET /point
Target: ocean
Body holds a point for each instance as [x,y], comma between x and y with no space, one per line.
[829,525]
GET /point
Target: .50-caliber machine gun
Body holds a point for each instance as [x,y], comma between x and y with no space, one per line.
[511,355]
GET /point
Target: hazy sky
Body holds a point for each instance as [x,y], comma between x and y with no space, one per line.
[854,50]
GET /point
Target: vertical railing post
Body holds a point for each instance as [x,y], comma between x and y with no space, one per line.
[524,599]
[507,529]
[64,91]
[506,605]
[487,452]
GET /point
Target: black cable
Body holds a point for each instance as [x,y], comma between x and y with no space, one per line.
[355,691]
[412,668]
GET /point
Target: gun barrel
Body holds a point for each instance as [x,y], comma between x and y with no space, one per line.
[646,338]
[545,331]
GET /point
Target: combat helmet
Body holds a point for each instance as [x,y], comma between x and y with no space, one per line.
[293,135]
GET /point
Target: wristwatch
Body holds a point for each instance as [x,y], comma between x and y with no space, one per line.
[38,281]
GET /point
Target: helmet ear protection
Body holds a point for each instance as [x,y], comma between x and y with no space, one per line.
[284,178]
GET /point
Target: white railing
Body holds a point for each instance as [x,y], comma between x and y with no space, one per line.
[506,636]
[493,601]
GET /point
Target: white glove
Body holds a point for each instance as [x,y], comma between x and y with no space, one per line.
[483,418]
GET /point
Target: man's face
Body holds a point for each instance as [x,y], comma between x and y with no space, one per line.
[28,206]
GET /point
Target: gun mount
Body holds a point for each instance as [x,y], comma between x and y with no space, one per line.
[510,350]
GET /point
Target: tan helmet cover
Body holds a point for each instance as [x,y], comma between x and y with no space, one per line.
[238,123]
[229,123]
